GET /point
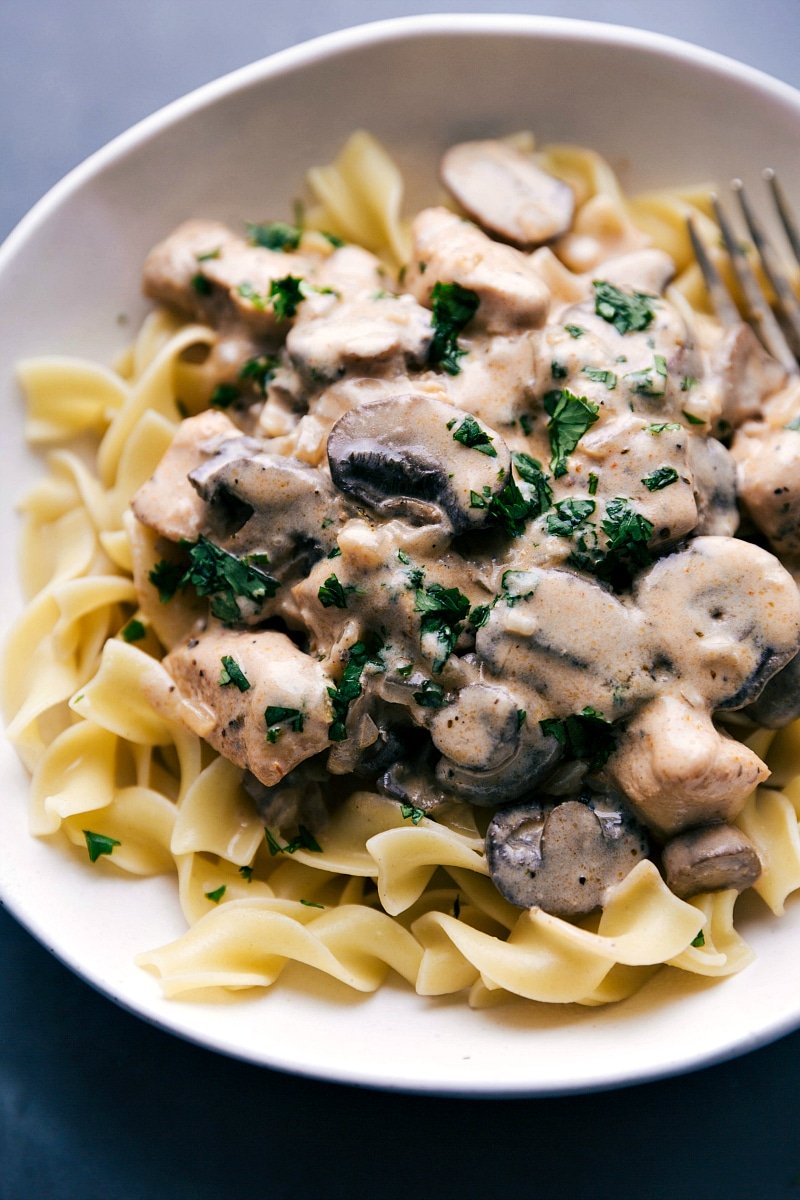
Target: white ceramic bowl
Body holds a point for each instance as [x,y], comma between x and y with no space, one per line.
[664,113]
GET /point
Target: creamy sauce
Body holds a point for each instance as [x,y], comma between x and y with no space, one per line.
[497,539]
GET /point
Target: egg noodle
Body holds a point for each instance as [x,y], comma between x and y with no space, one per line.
[115,775]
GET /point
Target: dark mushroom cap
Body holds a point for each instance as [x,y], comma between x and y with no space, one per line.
[779,703]
[563,857]
[710,860]
[402,457]
[507,194]
[489,753]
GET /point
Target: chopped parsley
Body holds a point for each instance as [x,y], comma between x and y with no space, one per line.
[626,311]
[304,841]
[470,434]
[454,307]
[558,370]
[443,612]
[626,550]
[431,695]
[167,577]
[412,813]
[311,903]
[224,395]
[333,593]
[98,844]
[260,370]
[519,585]
[246,873]
[700,940]
[134,631]
[586,736]
[599,376]
[526,424]
[660,426]
[570,417]
[575,331]
[286,295]
[529,469]
[232,673]
[569,515]
[691,418]
[217,894]
[209,254]
[509,507]
[277,717]
[687,383]
[593,482]
[650,381]
[479,615]
[214,572]
[349,686]
[660,478]
[203,286]
[275,235]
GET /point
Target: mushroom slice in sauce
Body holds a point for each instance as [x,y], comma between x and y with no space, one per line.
[507,194]
[727,614]
[270,503]
[710,860]
[490,752]
[562,857]
[779,703]
[416,457]
[277,720]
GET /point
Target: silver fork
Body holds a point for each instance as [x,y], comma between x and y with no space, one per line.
[779,335]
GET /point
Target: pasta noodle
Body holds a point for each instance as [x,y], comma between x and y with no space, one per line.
[97,721]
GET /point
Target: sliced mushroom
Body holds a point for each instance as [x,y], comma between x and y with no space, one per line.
[710,860]
[779,703]
[740,616]
[491,753]
[507,193]
[275,722]
[168,503]
[270,504]
[298,799]
[416,457]
[714,478]
[563,857]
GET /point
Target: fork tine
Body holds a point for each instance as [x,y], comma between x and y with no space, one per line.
[768,328]
[782,208]
[788,306]
[721,298]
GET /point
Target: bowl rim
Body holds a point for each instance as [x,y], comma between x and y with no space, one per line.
[291,59]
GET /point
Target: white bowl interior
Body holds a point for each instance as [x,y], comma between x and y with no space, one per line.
[663,113]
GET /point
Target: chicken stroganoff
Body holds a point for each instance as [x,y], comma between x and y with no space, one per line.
[477,575]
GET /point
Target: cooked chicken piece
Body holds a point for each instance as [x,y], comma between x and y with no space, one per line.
[372,334]
[450,250]
[769,483]
[209,274]
[268,705]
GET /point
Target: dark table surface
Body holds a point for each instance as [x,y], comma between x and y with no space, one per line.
[96,1105]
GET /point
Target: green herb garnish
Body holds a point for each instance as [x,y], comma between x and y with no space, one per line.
[575,331]
[599,376]
[167,577]
[593,482]
[660,478]
[431,695]
[691,418]
[454,307]
[246,873]
[286,295]
[529,469]
[275,235]
[214,572]
[260,371]
[333,593]
[232,673]
[470,434]
[134,631]
[569,515]
[349,686]
[700,940]
[519,585]
[304,841]
[98,844]
[660,426]
[626,311]
[217,894]
[224,395]
[203,286]
[443,613]
[276,717]
[586,736]
[412,813]
[570,417]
